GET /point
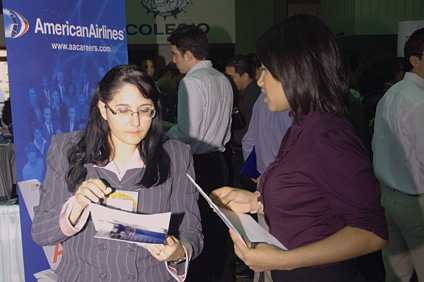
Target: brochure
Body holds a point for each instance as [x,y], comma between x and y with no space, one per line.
[242,224]
[114,224]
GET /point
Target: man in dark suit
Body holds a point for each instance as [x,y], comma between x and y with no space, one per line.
[45,95]
[61,88]
[87,88]
[50,127]
[71,124]
[39,141]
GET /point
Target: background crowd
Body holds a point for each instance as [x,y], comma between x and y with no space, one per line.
[228,118]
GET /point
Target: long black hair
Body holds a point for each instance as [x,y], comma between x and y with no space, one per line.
[94,146]
[302,53]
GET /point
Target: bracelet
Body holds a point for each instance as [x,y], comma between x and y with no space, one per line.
[260,205]
[175,262]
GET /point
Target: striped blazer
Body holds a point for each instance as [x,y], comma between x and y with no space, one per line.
[86,258]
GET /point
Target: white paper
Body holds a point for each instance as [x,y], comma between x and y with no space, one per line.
[46,276]
[155,222]
[241,224]
[122,204]
[123,200]
[104,219]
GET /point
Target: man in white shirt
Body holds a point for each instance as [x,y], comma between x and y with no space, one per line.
[205,100]
[398,146]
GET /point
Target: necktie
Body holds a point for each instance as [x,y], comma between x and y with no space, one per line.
[47,96]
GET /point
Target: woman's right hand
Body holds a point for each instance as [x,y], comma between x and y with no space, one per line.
[234,199]
[90,191]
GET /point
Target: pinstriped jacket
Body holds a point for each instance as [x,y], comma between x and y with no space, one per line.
[86,258]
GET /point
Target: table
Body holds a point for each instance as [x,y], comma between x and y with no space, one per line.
[11,255]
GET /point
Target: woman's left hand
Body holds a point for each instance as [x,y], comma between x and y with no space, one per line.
[263,257]
[171,250]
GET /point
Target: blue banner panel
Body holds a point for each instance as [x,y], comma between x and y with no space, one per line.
[57,51]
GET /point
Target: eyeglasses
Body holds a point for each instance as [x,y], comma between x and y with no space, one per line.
[144,112]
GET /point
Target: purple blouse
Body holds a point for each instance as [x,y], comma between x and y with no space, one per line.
[321,181]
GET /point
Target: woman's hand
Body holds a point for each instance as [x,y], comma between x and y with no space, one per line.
[171,250]
[263,257]
[234,199]
[90,191]
[347,243]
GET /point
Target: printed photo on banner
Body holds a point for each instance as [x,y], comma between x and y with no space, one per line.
[57,53]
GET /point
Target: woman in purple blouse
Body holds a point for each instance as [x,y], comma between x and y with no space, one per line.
[320,197]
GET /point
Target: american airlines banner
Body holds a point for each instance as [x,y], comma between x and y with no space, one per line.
[152,21]
[57,51]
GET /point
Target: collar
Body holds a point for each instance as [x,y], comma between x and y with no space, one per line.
[134,162]
[248,88]
[414,77]
[312,116]
[44,142]
[200,65]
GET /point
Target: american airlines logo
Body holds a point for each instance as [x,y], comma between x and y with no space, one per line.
[15,25]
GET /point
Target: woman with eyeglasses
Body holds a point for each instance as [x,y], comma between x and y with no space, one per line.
[320,197]
[121,148]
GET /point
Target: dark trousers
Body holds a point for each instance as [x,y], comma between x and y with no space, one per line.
[346,271]
[213,263]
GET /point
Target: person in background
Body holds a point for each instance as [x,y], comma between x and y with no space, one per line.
[392,68]
[50,127]
[45,94]
[148,66]
[86,88]
[101,72]
[59,110]
[319,196]
[241,70]
[205,100]
[71,124]
[39,141]
[34,168]
[81,109]
[6,120]
[353,69]
[60,87]
[167,85]
[122,148]
[398,146]
[71,91]
[34,111]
